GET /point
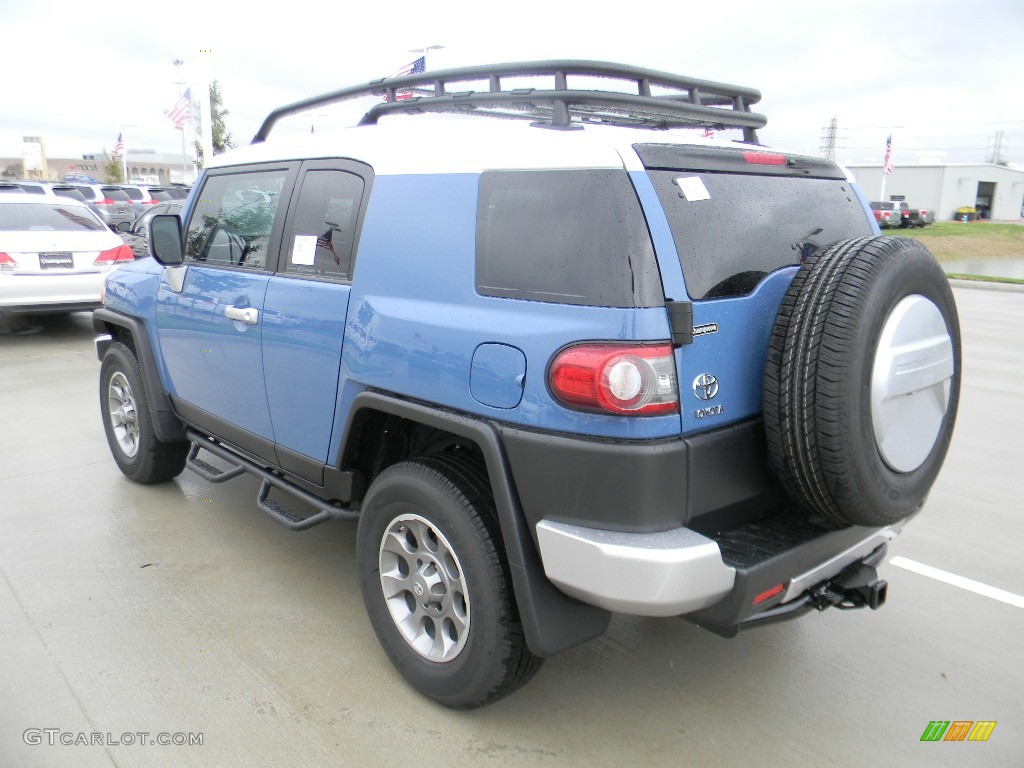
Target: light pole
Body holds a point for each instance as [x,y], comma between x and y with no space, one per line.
[179,82]
[423,52]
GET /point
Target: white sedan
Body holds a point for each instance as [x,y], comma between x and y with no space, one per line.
[54,255]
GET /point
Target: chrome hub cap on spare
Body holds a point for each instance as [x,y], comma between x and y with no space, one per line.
[424,588]
[123,417]
[910,382]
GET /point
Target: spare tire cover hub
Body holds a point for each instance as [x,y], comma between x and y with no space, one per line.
[910,382]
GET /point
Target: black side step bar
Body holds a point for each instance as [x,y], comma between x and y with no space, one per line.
[240,464]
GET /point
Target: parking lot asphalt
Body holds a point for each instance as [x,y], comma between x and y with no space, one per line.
[133,615]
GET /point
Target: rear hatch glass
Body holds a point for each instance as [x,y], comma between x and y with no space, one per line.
[737,216]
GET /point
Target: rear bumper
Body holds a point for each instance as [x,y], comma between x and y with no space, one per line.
[28,293]
[678,572]
[650,574]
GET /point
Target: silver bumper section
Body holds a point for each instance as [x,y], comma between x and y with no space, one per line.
[669,573]
[834,565]
[649,574]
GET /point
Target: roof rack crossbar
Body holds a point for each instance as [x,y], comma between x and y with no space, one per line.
[687,102]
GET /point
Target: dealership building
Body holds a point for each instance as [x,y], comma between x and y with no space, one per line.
[144,166]
[994,191]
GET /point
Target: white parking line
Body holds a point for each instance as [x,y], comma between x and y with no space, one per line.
[958,581]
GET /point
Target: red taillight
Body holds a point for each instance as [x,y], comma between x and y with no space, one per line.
[768,594]
[105,201]
[115,256]
[150,202]
[634,380]
[7,261]
[764,158]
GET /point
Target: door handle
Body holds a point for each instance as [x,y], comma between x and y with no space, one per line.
[248,315]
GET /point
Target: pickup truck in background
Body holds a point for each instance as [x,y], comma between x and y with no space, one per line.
[897,213]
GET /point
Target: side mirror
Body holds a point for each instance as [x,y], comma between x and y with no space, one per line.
[165,240]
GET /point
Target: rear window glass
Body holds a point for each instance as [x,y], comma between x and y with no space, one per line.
[34,190]
[134,194]
[43,217]
[115,193]
[571,237]
[88,193]
[732,230]
[74,194]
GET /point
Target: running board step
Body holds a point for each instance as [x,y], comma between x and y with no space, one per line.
[208,471]
[325,510]
[285,516]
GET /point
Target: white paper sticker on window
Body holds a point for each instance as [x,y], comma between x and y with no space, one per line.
[304,250]
[693,188]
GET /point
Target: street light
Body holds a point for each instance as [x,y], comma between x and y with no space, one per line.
[423,52]
[184,157]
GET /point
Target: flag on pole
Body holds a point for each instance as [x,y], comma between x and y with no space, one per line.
[118,146]
[181,112]
[887,165]
[414,67]
[709,133]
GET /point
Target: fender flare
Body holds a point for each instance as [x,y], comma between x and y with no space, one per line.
[552,621]
[166,424]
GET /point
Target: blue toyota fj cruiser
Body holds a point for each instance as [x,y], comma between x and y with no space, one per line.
[578,360]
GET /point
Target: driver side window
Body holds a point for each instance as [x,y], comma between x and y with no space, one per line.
[233,218]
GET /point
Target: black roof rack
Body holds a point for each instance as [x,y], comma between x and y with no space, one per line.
[687,102]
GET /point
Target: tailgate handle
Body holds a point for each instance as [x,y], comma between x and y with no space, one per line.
[680,321]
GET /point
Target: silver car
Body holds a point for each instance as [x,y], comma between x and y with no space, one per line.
[110,201]
[54,254]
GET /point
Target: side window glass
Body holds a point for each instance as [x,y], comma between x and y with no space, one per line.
[323,230]
[233,218]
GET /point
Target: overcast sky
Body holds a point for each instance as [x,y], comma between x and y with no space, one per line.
[944,76]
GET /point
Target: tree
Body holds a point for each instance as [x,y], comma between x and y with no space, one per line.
[221,135]
[114,171]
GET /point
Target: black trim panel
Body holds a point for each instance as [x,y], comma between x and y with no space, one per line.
[165,422]
[707,482]
[552,621]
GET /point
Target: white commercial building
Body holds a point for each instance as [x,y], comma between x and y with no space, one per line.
[995,191]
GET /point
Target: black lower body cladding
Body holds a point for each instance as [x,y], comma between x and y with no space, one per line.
[862,380]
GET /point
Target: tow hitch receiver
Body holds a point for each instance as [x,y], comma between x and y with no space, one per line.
[856,588]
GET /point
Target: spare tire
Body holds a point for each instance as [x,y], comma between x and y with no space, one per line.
[862,380]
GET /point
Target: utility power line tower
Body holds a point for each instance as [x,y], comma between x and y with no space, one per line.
[997,149]
[828,140]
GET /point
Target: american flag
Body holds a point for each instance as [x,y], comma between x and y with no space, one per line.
[118,146]
[181,112]
[326,240]
[887,165]
[709,133]
[415,67]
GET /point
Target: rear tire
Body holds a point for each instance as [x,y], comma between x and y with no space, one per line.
[862,380]
[436,583]
[128,424]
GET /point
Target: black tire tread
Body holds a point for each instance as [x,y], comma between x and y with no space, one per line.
[156,461]
[811,351]
[463,480]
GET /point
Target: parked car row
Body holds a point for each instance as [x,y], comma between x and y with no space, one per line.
[114,203]
[898,213]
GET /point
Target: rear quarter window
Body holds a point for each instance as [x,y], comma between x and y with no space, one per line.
[571,237]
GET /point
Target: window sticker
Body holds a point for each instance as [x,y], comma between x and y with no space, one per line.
[692,188]
[304,250]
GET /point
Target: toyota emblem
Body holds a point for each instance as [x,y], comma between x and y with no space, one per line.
[705,386]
